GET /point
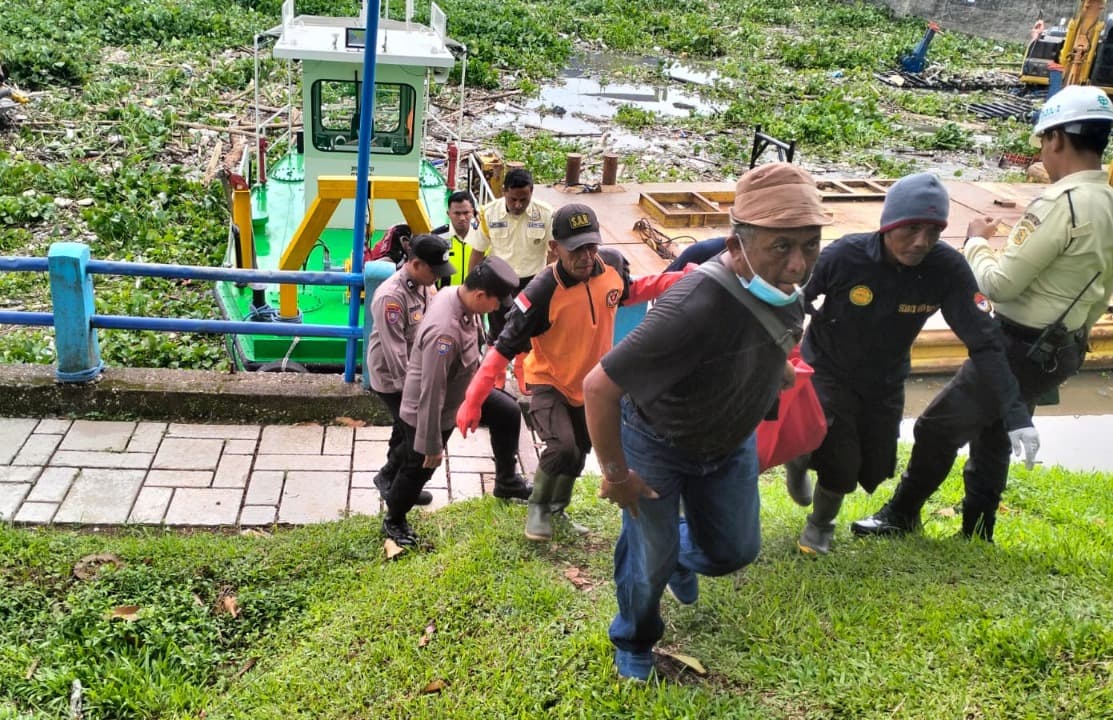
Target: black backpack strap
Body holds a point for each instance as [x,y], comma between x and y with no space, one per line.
[783,335]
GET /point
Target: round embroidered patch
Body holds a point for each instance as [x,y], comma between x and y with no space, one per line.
[1023,229]
[612,298]
[982,302]
[861,295]
[393,312]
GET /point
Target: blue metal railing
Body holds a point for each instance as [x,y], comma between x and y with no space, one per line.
[76,344]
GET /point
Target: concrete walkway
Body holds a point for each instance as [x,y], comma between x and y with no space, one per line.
[91,472]
[56,471]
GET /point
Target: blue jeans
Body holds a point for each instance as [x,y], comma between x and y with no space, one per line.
[720,531]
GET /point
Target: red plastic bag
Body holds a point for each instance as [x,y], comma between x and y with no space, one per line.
[800,425]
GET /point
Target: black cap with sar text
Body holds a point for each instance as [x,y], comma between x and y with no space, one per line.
[434,251]
[575,225]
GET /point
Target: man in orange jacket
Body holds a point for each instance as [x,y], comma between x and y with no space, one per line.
[565,318]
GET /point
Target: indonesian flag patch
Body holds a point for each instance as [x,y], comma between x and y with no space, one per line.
[522,303]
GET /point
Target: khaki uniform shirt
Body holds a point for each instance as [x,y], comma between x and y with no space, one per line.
[520,240]
[1049,257]
[396,309]
[444,358]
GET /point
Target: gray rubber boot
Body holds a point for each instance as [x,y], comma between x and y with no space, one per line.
[539,514]
[819,530]
[562,496]
[797,482]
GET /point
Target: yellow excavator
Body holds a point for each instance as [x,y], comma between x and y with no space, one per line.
[9,96]
[1083,47]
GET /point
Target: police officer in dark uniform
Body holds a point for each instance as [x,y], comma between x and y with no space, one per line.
[1050,285]
[878,290]
[444,358]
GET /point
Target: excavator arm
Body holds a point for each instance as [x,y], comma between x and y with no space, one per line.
[1082,40]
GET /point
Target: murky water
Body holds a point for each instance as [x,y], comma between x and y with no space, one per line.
[584,100]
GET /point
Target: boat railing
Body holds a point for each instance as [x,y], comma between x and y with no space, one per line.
[477,181]
[75,322]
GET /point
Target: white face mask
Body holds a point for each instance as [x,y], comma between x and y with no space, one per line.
[764,290]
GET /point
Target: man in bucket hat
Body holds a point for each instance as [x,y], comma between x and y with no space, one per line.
[565,319]
[672,409]
[879,289]
[1050,285]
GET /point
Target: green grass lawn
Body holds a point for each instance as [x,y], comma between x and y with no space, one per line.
[314,622]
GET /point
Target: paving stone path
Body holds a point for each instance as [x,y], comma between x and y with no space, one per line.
[91,472]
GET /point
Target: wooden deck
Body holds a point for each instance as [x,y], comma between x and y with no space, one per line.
[936,349]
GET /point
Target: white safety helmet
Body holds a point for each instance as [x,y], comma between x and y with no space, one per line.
[1070,107]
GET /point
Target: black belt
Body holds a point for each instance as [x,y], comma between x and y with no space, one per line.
[1027,334]
[1018,331]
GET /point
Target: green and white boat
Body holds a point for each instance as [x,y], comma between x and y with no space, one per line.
[298,213]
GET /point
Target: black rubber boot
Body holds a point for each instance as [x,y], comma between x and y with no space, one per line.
[978,523]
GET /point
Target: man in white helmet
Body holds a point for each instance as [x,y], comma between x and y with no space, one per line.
[1049,286]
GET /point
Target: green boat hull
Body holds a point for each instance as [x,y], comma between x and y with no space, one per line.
[277,210]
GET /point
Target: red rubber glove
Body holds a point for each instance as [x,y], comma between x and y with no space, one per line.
[493,365]
[648,288]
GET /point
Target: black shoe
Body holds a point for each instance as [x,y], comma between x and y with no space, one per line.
[515,489]
[886,521]
[399,531]
[383,486]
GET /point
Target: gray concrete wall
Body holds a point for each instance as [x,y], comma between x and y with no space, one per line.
[1000,19]
[188,396]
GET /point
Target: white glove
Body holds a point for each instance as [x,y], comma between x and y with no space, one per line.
[1025,440]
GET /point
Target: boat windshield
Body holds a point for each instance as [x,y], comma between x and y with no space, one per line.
[336,117]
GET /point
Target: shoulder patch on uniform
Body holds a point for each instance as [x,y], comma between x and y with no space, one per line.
[393,312]
[861,295]
[982,302]
[475,223]
[444,344]
[1022,230]
[613,297]
[1032,219]
[522,303]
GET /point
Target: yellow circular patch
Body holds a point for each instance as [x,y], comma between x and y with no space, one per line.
[861,295]
[1023,230]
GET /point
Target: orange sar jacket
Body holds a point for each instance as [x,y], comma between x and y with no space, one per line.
[567,324]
